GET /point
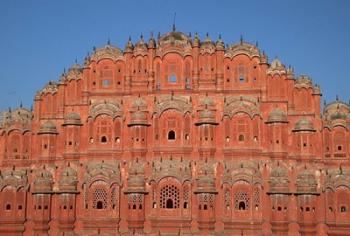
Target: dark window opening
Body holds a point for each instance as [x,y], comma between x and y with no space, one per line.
[19,207]
[39,207]
[340,148]
[169,204]
[140,206]
[70,143]
[343,209]
[134,207]
[8,207]
[241,138]
[171,135]
[277,141]
[241,206]
[307,208]
[65,207]
[99,205]
[103,139]
[71,207]
[46,207]
[86,206]
[185,205]
[45,146]
[227,80]
[279,208]
[304,144]
[205,207]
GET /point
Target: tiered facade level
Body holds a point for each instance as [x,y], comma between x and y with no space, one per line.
[176,136]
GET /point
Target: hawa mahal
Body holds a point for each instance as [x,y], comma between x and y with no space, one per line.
[175,135]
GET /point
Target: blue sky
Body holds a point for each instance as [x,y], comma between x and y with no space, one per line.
[38,39]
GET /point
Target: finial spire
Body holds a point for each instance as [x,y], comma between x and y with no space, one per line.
[108,41]
[21,105]
[174,27]
[241,40]
[337,97]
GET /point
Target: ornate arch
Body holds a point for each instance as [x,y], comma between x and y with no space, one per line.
[112,109]
[178,103]
[241,104]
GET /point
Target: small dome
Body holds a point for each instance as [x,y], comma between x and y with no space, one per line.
[72,119]
[141,45]
[220,46]
[48,128]
[277,116]
[303,81]
[68,180]
[337,114]
[138,118]
[174,38]
[129,47]
[43,181]
[304,124]
[306,181]
[206,116]
[106,52]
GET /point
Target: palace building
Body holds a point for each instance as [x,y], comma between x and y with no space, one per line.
[176,136]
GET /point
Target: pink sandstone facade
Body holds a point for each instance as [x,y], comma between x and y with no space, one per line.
[176,136]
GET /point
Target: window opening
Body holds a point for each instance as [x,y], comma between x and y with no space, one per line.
[171,135]
[103,139]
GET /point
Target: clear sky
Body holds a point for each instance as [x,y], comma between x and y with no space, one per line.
[38,39]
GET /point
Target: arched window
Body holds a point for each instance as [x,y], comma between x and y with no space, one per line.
[169,197]
[241,206]
[99,198]
[241,138]
[241,200]
[103,139]
[171,135]
[8,207]
[343,209]
[169,204]
[172,78]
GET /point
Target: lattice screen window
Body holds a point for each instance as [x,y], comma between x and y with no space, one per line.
[330,201]
[227,199]
[241,200]
[256,197]
[186,196]
[206,201]
[86,198]
[114,198]
[99,198]
[135,201]
[169,197]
